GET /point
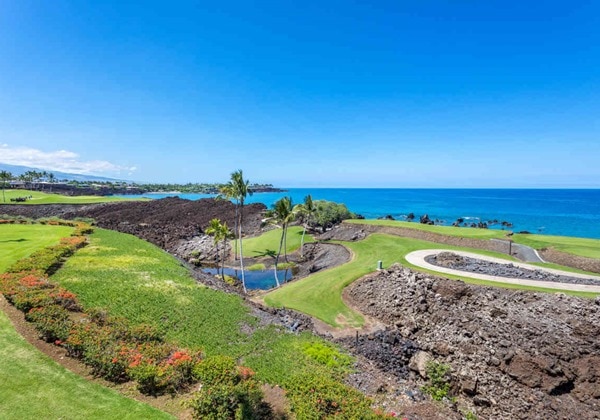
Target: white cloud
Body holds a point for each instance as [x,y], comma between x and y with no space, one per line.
[60,160]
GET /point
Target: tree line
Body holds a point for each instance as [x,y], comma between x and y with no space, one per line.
[318,214]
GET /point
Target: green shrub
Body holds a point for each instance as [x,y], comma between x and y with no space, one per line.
[256,267]
[327,355]
[315,396]
[25,300]
[52,322]
[216,370]
[438,385]
[230,401]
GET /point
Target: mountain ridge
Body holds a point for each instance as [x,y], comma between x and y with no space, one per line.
[21,169]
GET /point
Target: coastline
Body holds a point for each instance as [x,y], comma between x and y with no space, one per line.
[560,212]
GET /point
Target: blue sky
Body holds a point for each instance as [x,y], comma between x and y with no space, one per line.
[330,93]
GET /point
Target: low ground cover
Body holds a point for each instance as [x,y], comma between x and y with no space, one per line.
[39,197]
[320,294]
[131,278]
[269,241]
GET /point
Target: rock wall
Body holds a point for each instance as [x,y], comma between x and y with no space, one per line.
[513,354]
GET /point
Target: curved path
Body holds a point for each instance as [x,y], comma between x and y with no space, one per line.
[417,258]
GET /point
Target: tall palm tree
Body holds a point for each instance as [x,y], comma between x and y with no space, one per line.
[5,176]
[51,179]
[282,214]
[220,232]
[240,190]
[306,210]
[227,191]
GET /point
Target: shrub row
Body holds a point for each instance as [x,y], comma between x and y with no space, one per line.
[116,350]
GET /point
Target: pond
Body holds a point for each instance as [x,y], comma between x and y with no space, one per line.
[255,279]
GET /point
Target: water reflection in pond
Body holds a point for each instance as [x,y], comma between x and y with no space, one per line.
[255,279]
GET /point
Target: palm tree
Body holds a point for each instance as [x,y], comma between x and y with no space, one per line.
[227,191]
[51,179]
[220,232]
[306,210]
[5,176]
[282,214]
[240,190]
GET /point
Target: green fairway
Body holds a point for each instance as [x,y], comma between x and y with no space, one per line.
[135,279]
[38,197]
[34,386]
[584,247]
[19,241]
[463,232]
[320,294]
[269,241]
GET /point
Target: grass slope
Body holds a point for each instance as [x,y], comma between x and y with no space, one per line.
[320,294]
[39,197]
[584,247]
[269,241]
[19,241]
[135,279]
[33,385]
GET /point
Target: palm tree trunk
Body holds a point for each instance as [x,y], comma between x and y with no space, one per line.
[285,242]
[242,251]
[302,242]
[235,250]
[277,258]
[223,258]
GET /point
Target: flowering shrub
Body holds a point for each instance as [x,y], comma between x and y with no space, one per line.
[52,322]
[227,392]
[28,299]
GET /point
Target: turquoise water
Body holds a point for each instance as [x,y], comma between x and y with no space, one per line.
[552,212]
[255,279]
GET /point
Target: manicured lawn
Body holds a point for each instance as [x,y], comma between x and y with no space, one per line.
[34,386]
[19,241]
[269,241]
[320,294]
[133,278]
[39,197]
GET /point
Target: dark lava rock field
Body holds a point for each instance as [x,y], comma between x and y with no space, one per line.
[513,354]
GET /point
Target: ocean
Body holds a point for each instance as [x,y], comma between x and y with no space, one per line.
[548,211]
